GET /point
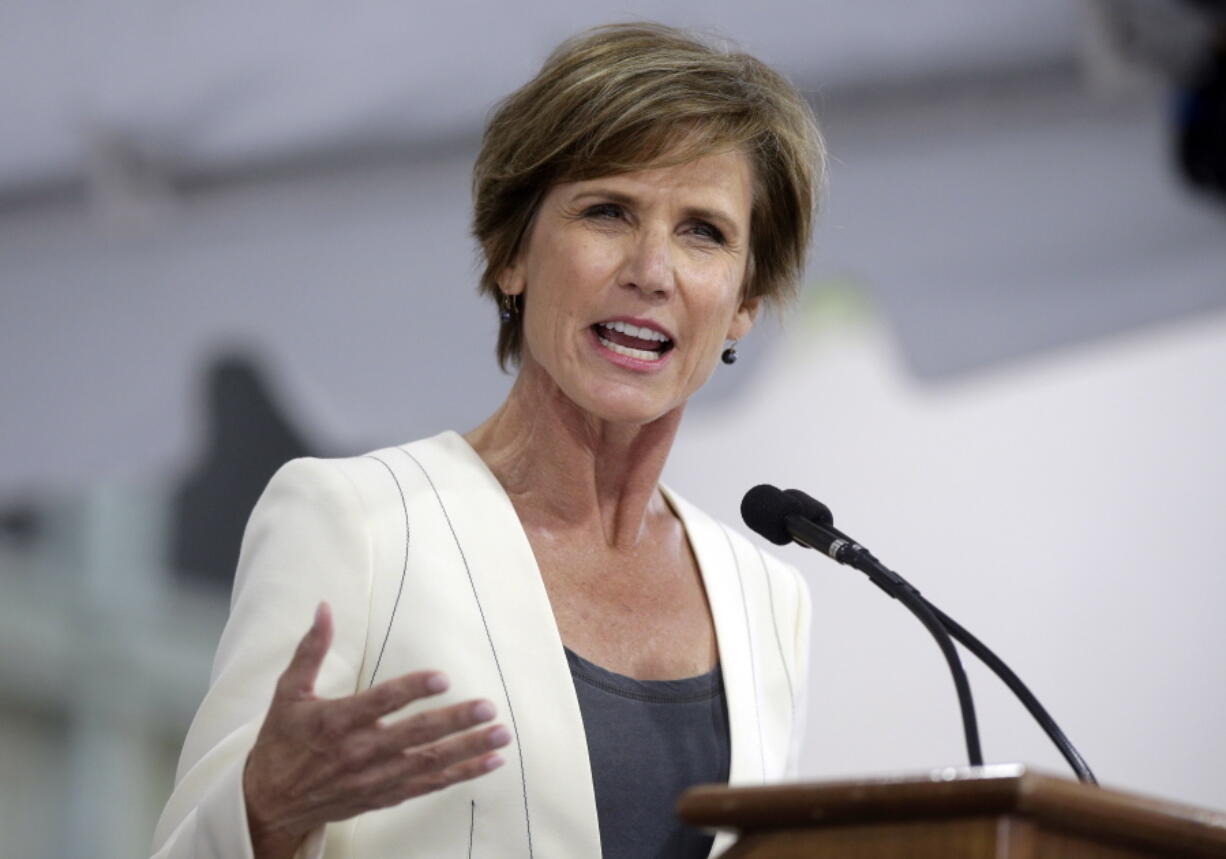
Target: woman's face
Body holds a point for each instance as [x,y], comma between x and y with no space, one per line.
[632,283]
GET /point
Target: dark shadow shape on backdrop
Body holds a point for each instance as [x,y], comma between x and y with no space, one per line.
[249,438]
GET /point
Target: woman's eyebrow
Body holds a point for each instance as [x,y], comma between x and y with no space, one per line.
[717,216]
[605,194]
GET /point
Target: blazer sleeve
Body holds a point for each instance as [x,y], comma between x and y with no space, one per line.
[306,541]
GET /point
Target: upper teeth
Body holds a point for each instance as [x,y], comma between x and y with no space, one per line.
[635,331]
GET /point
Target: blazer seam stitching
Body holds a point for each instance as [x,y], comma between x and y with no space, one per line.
[770,593]
[489,637]
[404,570]
[753,670]
[472,825]
[370,558]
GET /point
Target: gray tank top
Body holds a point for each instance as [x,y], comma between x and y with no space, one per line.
[648,741]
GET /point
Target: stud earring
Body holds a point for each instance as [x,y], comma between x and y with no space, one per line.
[508,308]
[729,356]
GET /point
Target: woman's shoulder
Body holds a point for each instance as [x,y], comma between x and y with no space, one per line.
[368,476]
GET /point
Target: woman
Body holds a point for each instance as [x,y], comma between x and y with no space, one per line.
[636,203]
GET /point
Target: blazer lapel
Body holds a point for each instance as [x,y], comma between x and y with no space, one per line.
[722,577]
[550,746]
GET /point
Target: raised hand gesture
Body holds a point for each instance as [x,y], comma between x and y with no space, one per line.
[318,760]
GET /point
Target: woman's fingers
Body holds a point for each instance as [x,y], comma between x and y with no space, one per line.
[425,760]
[298,679]
[464,771]
[390,695]
[319,760]
[423,769]
[426,728]
[365,749]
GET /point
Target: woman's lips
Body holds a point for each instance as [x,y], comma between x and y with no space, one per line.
[629,339]
[651,333]
[628,356]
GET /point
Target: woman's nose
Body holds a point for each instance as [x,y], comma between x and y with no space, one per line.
[649,265]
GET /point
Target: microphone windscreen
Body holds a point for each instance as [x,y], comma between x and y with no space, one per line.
[811,508]
[763,509]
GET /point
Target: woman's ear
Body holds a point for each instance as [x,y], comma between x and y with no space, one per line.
[511,279]
[743,319]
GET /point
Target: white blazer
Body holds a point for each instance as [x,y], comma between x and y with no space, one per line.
[424,561]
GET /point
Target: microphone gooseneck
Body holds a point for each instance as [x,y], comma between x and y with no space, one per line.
[781,518]
[820,529]
[997,665]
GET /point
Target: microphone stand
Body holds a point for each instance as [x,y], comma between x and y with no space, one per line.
[810,534]
[1018,688]
[855,555]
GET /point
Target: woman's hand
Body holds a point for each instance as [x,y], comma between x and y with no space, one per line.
[317,761]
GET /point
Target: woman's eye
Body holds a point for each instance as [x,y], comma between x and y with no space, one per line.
[709,232]
[604,211]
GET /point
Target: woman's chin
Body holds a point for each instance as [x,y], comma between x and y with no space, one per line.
[605,394]
[626,404]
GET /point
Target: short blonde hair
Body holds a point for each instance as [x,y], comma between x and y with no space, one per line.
[626,97]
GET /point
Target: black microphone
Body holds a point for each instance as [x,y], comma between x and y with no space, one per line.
[786,516]
[766,502]
[781,518]
[764,509]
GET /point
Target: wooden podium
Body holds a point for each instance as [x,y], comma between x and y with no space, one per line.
[1003,811]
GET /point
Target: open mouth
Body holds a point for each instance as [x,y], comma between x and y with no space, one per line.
[633,341]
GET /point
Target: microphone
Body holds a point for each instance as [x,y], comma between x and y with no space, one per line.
[786,516]
[779,517]
[782,518]
[764,509]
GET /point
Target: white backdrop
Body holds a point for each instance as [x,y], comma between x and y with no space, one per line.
[1068,512]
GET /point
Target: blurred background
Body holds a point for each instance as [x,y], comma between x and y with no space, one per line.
[235,233]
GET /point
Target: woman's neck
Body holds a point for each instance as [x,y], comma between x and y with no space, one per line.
[566,470]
